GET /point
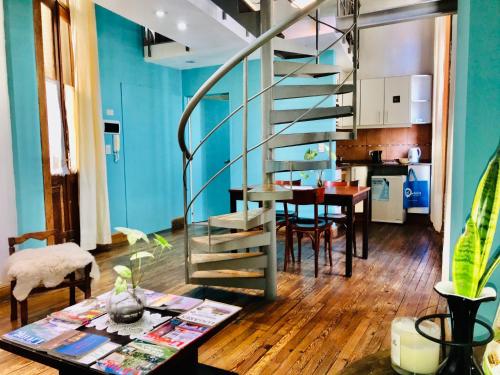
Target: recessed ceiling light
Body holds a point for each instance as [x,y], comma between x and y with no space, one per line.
[181,25]
[160,13]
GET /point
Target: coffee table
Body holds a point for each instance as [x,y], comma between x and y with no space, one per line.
[185,361]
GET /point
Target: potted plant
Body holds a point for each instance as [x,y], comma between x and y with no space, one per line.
[311,154]
[472,267]
[126,301]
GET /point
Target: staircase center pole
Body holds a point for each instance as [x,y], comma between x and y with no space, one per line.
[267,75]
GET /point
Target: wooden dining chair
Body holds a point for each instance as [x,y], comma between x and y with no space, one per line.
[341,217]
[280,214]
[313,228]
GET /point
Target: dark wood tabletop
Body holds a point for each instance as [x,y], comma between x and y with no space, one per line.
[184,361]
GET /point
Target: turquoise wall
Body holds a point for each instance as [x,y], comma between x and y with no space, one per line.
[147,100]
[192,79]
[477,111]
[23,93]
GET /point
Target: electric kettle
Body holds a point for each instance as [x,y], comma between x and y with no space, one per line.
[414,155]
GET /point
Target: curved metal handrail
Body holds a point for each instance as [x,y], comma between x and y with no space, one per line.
[231,63]
[281,79]
[253,148]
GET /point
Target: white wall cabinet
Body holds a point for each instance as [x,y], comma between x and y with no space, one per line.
[391,102]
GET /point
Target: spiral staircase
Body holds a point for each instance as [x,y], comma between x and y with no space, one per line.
[240,248]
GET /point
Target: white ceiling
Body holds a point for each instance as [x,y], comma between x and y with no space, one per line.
[212,40]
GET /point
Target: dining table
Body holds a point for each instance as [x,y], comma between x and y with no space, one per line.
[342,196]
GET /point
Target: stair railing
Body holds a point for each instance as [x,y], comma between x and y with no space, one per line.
[242,56]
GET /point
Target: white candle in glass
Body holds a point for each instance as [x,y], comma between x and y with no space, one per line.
[412,352]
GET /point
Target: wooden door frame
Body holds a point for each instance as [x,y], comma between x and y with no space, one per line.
[42,107]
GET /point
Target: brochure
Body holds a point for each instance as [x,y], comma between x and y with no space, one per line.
[98,353]
[168,334]
[82,312]
[40,332]
[130,360]
[190,326]
[210,313]
[79,345]
[175,303]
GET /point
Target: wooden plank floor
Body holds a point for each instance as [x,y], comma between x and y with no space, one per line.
[317,326]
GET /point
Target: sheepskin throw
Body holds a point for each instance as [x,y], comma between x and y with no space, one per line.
[47,266]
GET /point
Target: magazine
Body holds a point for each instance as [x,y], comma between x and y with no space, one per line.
[130,360]
[59,340]
[175,303]
[210,313]
[40,332]
[98,353]
[79,345]
[190,326]
[82,312]
[168,334]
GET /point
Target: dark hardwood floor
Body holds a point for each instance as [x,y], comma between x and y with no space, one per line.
[316,326]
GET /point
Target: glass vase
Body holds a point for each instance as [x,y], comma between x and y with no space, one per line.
[126,307]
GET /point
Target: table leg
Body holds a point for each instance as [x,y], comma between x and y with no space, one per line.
[348,239]
[232,203]
[366,219]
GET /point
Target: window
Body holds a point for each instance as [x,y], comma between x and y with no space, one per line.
[59,86]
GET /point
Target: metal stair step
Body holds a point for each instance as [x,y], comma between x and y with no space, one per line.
[269,192]
[230,241]
[303,91]
[229,278]
[282,68]
[297,139]
[290,49]
[290,115]
[256,217]
[274,166]
[232,261]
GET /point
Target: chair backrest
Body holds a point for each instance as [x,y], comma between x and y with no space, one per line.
[288,182]
[354,183]
[52,236]
[313,196]
[334,183]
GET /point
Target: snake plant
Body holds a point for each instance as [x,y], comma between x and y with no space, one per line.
[472,266]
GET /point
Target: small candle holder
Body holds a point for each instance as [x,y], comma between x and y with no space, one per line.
[411,353]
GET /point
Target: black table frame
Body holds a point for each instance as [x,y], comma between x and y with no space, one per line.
[347,201]
[184,361]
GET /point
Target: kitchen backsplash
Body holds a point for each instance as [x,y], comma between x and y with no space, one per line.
[394,143]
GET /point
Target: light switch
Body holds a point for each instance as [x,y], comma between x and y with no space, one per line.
[321,147]
[110,112]
[108,149]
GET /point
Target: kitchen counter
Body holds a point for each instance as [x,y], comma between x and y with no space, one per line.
[369,163]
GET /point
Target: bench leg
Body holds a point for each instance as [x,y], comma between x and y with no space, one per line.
[72,289]
[24,312]
[88,281]
[13,302]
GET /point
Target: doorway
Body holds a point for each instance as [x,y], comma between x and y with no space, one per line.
[213,156]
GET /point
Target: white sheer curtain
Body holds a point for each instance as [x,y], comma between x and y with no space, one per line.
[94,206]
[440,118]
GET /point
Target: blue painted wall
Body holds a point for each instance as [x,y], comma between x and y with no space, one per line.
[23,92]
[477,111]
[192,79]
[159,89]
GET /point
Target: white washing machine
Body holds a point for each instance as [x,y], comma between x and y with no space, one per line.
[387,199]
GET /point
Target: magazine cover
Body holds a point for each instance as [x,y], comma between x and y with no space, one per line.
[40,332]
[78,345]
[82,312]
[98,353]
[190,326]
[129,360]
[175,303]
[210,313]
[152,349]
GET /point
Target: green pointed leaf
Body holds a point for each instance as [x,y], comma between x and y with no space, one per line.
[489,271]
[141,254]
[123,271]
[310,154]
[466,264]
[133,235]
[120,285]
[162,242]
[486,206]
